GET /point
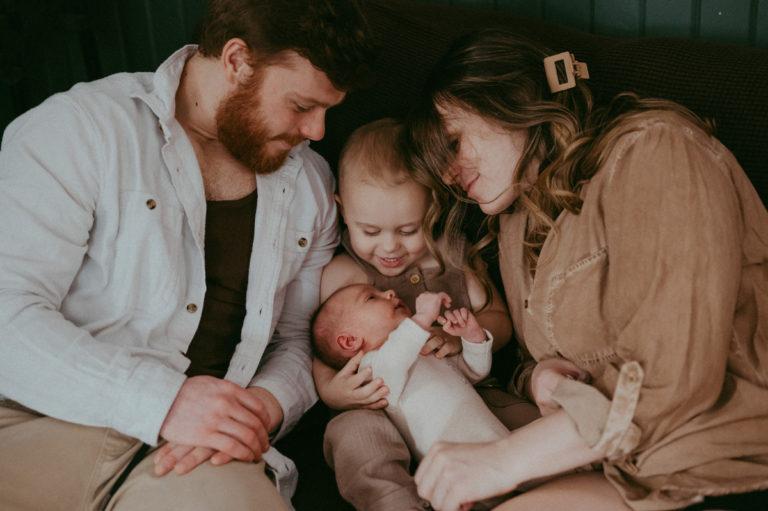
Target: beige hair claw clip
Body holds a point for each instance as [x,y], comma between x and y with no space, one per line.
[562,70]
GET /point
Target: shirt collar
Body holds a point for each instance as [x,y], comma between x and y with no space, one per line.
[160,93]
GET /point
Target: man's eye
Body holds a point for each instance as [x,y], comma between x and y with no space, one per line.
[453,144]
[369,297]
[301,108]
[371,233]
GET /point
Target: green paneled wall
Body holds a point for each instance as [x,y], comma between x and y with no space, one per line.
[47,45]
[731,21]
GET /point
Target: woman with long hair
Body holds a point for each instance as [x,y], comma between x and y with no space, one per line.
[634,255]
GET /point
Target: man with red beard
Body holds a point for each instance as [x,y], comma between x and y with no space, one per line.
[162,240]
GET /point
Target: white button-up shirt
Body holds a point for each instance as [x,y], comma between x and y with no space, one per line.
[102,275]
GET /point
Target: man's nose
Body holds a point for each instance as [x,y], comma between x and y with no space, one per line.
[313,124]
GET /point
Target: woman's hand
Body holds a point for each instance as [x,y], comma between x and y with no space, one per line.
[453,476]
[349,388]
[545,378]
[441,344]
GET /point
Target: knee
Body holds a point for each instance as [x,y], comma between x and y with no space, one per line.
[363,433]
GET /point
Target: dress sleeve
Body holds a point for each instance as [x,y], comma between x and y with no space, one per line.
[673,227]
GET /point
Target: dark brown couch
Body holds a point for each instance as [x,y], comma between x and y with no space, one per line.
[726,83]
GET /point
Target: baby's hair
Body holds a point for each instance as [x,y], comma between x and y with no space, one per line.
[372,155]
[323,325]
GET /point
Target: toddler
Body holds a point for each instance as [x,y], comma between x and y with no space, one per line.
[385,246]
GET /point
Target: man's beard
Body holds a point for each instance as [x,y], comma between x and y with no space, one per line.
[243,130]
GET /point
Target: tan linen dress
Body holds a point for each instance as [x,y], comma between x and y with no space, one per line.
[659,289]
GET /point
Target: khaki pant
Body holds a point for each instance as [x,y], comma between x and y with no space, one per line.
[372,461]
[50,465]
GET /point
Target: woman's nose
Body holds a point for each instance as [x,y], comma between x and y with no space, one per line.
[390,294]
[451,176]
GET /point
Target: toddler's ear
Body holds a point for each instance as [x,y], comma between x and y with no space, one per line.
[337,198]
[349,342]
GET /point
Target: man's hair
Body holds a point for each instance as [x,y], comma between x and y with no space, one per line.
[332,34]
[372,155]
[323,325]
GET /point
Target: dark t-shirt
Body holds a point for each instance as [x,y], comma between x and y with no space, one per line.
[228,244]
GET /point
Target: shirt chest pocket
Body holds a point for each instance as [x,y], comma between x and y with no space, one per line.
[574,313]
[149,250]
[295,249]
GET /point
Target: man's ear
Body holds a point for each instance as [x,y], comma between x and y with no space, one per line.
[349,342]
[236,58]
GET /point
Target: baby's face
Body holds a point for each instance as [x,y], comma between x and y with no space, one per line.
[372,314]
[385,224]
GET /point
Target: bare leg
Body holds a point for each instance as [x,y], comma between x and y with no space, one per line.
[583,491]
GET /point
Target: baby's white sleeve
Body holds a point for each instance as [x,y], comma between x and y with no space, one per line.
[476,358]
[394,358]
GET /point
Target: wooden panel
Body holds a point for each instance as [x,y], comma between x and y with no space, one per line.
[475,3]
[575,13]
[7,106]
[530,8]
[617,18]
[139,38]
[168,25]
[107,36]
[761,24]
[669,18]
[725,20]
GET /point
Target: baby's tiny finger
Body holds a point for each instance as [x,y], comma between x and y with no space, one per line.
[381,403]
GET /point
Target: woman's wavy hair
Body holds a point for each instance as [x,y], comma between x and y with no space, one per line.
[500,76]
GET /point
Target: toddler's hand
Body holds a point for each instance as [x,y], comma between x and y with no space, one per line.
[441,344]
[428,307]
[545,378]
[349,388]
[461,322]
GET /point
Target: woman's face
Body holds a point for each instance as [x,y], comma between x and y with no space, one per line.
[486,157]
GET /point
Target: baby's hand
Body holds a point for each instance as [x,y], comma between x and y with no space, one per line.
[428,307]
[545,378]
[441,344]
[349,388]
[461,322]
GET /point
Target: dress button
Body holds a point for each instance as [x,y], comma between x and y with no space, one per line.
[191,308]
[415,278]
[302,242]
[151,204]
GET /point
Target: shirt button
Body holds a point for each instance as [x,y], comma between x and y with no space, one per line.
[151,204]
[415,278]
[302,242]
[191,308]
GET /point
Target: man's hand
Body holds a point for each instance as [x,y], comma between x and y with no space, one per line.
[184,458]
[545,378]
[461,322]
[217,414]
[350,388]
[428,307]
